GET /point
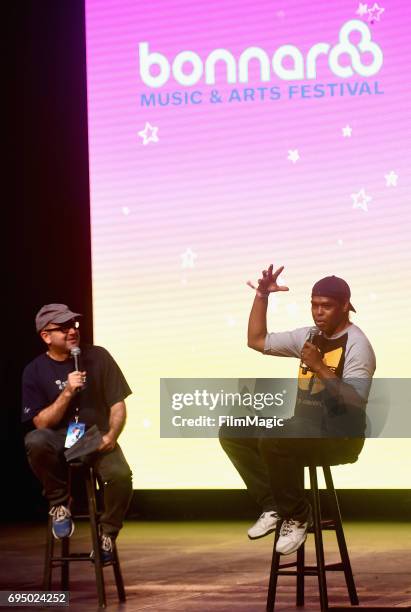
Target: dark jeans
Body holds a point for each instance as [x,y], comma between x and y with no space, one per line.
[45,448]
[273,468]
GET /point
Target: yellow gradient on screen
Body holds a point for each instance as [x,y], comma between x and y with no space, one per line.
[200,331]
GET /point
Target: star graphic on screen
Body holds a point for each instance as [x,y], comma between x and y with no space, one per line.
[149,134]
[375,12]
[347,131]
[391,179]
[293,155]
[362,9]
[361,200]
[188,258]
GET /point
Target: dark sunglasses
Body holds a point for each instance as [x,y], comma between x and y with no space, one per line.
[65,327]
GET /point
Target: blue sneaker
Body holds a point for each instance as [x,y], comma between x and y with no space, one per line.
[62,523]
[106,549]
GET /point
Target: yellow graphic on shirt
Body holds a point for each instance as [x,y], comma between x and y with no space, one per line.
[331,360]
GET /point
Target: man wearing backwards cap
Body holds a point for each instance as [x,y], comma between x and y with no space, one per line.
[337,363]
[59,401]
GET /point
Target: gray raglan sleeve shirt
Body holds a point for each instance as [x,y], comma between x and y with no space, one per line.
[360,363]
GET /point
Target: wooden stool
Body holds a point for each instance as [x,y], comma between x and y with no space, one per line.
[52,561]
[320,569]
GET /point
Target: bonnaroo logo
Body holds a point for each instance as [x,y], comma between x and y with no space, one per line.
[188,68]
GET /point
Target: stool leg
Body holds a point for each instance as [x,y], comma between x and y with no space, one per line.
[319,549]
[272,585]
[118,576]
[48,556]
[300,575]
[98,566]
[65,551]
[349,579]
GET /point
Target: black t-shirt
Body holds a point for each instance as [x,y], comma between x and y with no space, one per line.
[44,378]
[316,403]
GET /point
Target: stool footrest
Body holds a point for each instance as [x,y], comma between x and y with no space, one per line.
[85,516]
[59,562]
[309,570]
[328,526]
[290,564]
[330,567]
[335,567]
[295,573]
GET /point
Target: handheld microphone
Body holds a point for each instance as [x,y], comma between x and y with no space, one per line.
[75,353]
[311,335]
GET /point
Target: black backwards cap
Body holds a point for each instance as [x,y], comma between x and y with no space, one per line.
[334,287]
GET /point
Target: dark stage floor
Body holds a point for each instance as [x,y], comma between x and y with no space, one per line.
[213,567]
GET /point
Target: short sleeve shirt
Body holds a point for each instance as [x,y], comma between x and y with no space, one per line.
[349,355]
[44,379]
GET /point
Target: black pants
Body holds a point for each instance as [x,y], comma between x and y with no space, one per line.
[45,448]
[273,468]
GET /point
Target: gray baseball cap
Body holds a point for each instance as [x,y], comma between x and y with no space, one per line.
[54,313]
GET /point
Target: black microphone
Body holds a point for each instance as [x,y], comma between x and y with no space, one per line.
[311,335]
[75,353]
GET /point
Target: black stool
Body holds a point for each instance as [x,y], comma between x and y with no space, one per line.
[52,561]
[320,569]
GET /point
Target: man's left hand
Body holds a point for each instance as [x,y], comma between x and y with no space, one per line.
[107,444]
[311,356]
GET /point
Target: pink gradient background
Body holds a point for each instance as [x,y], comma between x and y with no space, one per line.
[219,182]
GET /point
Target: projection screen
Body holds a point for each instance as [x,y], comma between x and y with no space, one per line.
[225,136]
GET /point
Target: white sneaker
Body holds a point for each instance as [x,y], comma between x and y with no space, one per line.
[292,535]
[264,525]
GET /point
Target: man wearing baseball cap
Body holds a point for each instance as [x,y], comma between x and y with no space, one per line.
[60,400]
[337,363]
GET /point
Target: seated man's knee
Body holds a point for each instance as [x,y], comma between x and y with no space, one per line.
[233,438]
[268,447]
[119,474]
[36,441]
[230,441]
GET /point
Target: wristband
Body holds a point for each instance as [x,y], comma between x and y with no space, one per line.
[260,294]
